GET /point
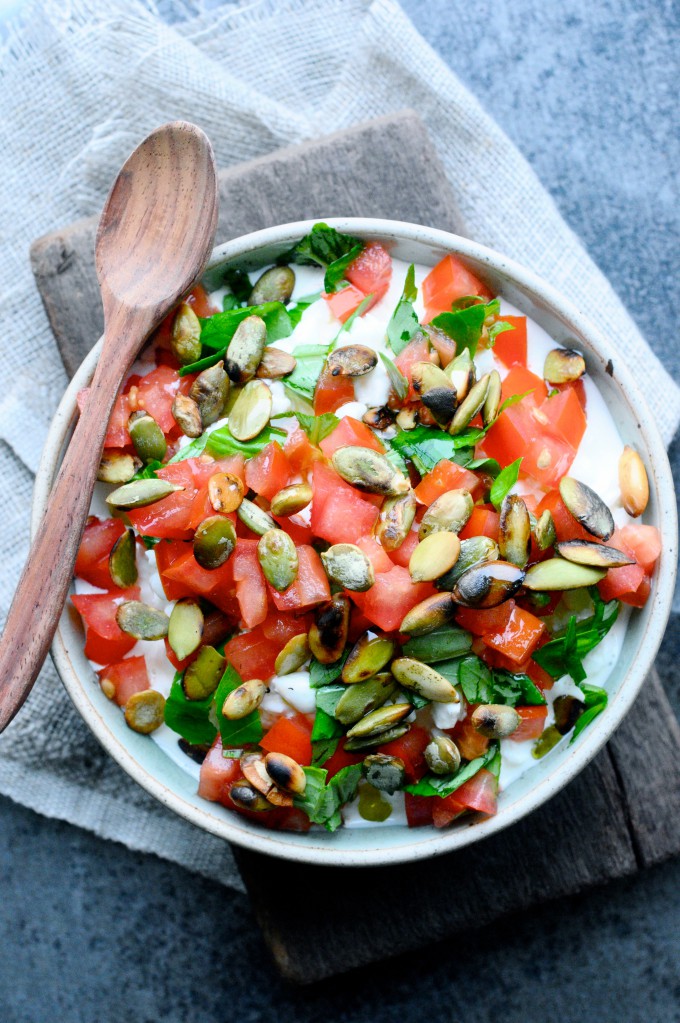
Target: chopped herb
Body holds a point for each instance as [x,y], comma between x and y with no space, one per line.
[347,325]
[513,400]
[320,801]
[504,483]
[397,379]
[327,698]
[326,731]
[481,684]
[464,326]
[595,702]
[439,645]
[321,247]
[221,443]
[488,465]
[334,278]
[229,302]
[205,363]
[189,718]
[426,446]
[404,322]
[309,363]
[296,310]
[444,785]
[148,472]
[499,327]
[324,674]
[415,699]
[218,330]
[323,749]
[317,427]
[238,283]
[150,541]
[246,730]
[564,654]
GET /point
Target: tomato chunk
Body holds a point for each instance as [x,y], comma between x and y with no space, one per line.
[532,723]
[566,416]
[402,555]
[216,585]
[341,759]
[375,553]
[390,598]
[309,589]
[117,435]
[332,392]
[339,512]
[251,588]
[269,471]
[350,432]
[252,654]
[417,350]
[218,774]
[128,677]
[445,476]
[371,271]
[418,810]
[290,735]
[644,542]
[511,345]
[171,517]
[480,794]
[483,522]
[449,280]
[485,621]
[522,431]
[411,749]
[519,637]
[469,741]
[299,451]
[105,642]
[156,392]
[92,562]
[344,302]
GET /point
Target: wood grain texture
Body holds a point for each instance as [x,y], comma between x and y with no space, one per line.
[621,814]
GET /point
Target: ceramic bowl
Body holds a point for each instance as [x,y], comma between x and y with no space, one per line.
[150,766]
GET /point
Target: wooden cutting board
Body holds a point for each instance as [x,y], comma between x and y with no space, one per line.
[620,815]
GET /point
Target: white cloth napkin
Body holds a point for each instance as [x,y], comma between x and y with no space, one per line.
[82,84]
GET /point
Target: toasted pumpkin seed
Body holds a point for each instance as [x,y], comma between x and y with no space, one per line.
[367,657]
[141,621]
[428,615]
[274,285]
[361,742]
[493,398]
[203,675]
[254,517]
[495,720]
[514,536]
[544,531]
[448,513]
[424,680]
[383,772]
[360,699]
[560,574]
[348,566]
[434,556]
[488,584]
[246,349]
[210,391]
[275,364]
[379,418]
[633,482]
[225,491]
[140,493]
[473,551]
[441,402]
[407,419]
[187,415]
[461,373]
[117,467]
[395,521]
[147,437]
[248,798]
[185,336]
[470,406]
[291,500]
[567,711]
[254,771]
[243,700]
[442,755]
[186,628]
[214,541]
[380,720]
[144,712]
[286,773]
[585,552]
[278,558]
[425,376]
[328,634]
[295,653]
[351,361]
[563,365]
[587,507]
[108,688]
[369,471]
[122,560]
[251,411]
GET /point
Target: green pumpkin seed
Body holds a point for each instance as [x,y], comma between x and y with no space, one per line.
[430,614]
[141,621]
[514,537]
[567,711]
[140,493]
[185,337]
[360,699]
[145,711]
[493,398]
[243,700]
[351,361]
[248,798]
[425,681]
[563,365]
[425,376]
[442,755]
[461,372]
[348,566]
[434,556]
[448,513]
[379,418]
[633,482]
[186,628]
[254,517]
[274,285]
[210,391]
[328,634]
[560,574]
[360,743]
[295,653]
[147,437]
[286,773]
[471,405]
[246,349]
[275,364]
[395,521]
[203,675]
[544,531]
[547,740]
[252,410]
[225,491]
[473,551]
[488,584]
[122,560]
[407,419]
[598,555]
[587,507]
[495,720]
[383,772]
[369,471]
[278,559]
[118,467]
[367,657]
[291,500]
[380,721]
[440,645]
[187,415]
[214,541]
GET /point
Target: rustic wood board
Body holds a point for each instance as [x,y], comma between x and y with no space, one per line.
[620,815]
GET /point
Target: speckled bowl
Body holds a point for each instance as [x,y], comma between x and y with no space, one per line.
[150,766]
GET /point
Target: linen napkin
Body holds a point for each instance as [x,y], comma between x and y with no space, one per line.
[81,85]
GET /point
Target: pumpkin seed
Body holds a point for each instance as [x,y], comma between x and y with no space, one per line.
[493,398]
[495,720]
[379,418]
[141,621]
[351,361]
[434,556]
[108,688]
[225,491]
[274,285]
[407,419]
[243,700]
[246,349]
[118,467]
[275,364]
[442,755]
[360,699]
[185,336]
[473,551]
[441,402]
[587,507]
[348,566]
[514,537]
[395,521]
[369,741]
[563,365]
[254,771]
[567,711]
[254,517]
[210,391]
[461,372]
[369,471]
[203,675]
[383,772]
[544,531]
[294,654]
[425,681]
[488,584]
[328,634]
[291,500]
[470,406]
[278,559]
[145,711]
[122,560]
[559,574]
[584,552]
[380,721]
[448,513]
[252,410]
[428,615]
[367,657]
[214,541]
[147,437]
[248,798]
[187,415]
[633,482]
[139,493]
[425,376]
[186,628]
[286,773]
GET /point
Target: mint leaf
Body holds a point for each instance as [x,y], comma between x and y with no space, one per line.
[334,278]
[404,325]
[464,326]
[327,698]
[218,330]
[221,443]
[481,684]
[189,718]
[439,645]
[426,446]
[504,483]
[595,702]
[499,327]
[397,379]
[321,247]
[323,749]
[244,731]
[488,465]
[564,654]
[444,785]
[320,801]
[324,674]
[317,427]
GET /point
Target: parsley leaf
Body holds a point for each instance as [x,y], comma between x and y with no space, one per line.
[396,377]
[189,718]
[481,684]
[317,427]
[426,446]
[444,785]
[321,247]
[595,702]
[309,363]
[243,731]
[324,674]
[464,326]
[404,322]
[504,483]
[334,278]
[320,801]
[564,654]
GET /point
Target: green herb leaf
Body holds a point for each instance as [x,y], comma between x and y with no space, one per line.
[246,730]
[464,326]
[310,360]
[321,247]
[239,284]
[218,330]
[499,327]
[320,801]
[481,684]
[317,427]
[397,379]
[404,325]
[564,654]
[439,645]
[488,465]
[334,278]
[327,698]
[426,446]
[444,785]
[296,310]
[595,701]
[513,400]
[189,718]
[148,472]
[324,674]
[504,483]
[150,541]
[323,749]
[221,442]
[347,325]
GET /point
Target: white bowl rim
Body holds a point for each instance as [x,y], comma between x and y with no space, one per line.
[424,842]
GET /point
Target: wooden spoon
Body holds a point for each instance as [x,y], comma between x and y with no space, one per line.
[155,236]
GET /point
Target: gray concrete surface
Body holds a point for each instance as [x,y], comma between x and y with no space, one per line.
[91,932]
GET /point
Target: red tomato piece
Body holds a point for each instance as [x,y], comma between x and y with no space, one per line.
[417,350]
[445,476]
[644,543]
[309,589]
[166,553]
[350,432]
[418,810]
[480,794]
[371,271]
[128,677]
[332,392]
[269,471]
[390,598]
[484,521]
[448,281]
[621,583]
[538,675]
[402,555]
[444,346]
[468,740]
[520,636]
[297,528]
[520,433]
[105,642]
[290,735]
[156,392]
[92,561]
[204,467]
[566,526]
[300,451]
[485,621]
[340,513]
[281,627]
[252,654]
[199,300]
[344,302]
[411,749]
[519,380]
[171,517]
[566,416]
[339,760]
[511,345]
[218,773]
[375,553]
[251,588]
[216,585]
[532,723]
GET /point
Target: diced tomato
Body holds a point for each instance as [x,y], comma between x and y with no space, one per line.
[444,346]
[340,513]
[199,300]
[371,271]
[252,654]
[332,392]
[344,302]
[128,677]
[251,588]
[410,748]
[358,624]
[117,435]
[537,674]
[341,759]
[310,587]
[204,467]
[92,561]
[480,794]
[281,627]
[469,741]
[166,553]
[483,522]
[216,584]
[300,451]
[511,345]
[170,517]
[622,583]
[519,380]
[579,389]
[390,598]
[418,810]
[566,416]
[417,350]
[448,281]
[445,476]
[532,723]
[485,621]
[402,555]
[350,432]
[290,735]
[644,542]
[218,773]
[566,526]
[520,432]
[520,636]
[105,642]
[375,553]
[269,471]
